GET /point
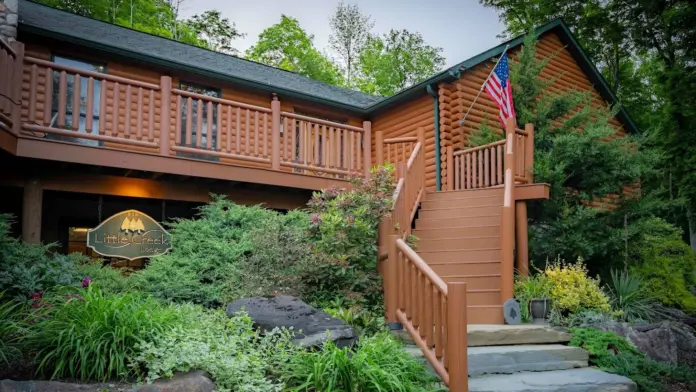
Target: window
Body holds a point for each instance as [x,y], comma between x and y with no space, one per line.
[70,117]
[207,130]
[310,142]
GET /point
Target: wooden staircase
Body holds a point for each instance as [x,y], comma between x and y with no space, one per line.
[459,238]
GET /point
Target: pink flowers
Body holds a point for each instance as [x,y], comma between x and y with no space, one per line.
[316,219]
[86,281]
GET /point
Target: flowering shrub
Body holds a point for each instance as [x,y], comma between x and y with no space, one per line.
[572,289]
[343,229]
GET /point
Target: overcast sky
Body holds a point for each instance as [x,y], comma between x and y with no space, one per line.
[462,28]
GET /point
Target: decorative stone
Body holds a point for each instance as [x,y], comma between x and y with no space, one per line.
[668,341]
[511,312]
[312,327]
[194,381]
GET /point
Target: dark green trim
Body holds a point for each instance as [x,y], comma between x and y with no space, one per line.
[436,114]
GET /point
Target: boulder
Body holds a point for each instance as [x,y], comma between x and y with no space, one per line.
[667,341]
[194,381]
[312,326]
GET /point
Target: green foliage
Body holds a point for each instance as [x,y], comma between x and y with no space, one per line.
[110,280]
[10,330]
[587,318]
[484,135]
[615,354]
[350,30]
[666,264]
[395,61]
[379,363]
[26,269]
[365,322]
[572,289]
[236,356]
[224,253]
[527,288]
[92,336]
[286,45]
[343,228]
[215,31]
[629,299]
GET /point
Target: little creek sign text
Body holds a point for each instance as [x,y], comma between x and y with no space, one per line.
[129,235]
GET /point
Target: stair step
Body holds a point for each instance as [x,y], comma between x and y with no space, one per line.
[571,380]
[476,282]
[460,212]
[450,222]
[483,297]
[471,268]
[460,255]
[492,335]
[463,202]
[440,244]
[525,358]
[493,193]
[472,231]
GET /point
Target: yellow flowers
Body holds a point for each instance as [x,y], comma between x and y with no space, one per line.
[572,289]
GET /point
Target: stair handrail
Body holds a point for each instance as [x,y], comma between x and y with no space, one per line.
[507,224]
[433,312]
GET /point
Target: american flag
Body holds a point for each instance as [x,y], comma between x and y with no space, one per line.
[499,89]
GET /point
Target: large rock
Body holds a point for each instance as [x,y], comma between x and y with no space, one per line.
[524,358]
[195,381]
[500,335]
[668,341]
[312,327]
[573,380]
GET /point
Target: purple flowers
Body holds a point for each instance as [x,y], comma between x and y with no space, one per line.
[316,219]
[86,281]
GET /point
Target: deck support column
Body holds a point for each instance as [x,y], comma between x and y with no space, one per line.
[521,238]
[31,211]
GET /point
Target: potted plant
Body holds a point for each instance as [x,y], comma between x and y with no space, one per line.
[534,294]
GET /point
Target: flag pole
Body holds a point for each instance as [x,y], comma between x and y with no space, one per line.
[483,85]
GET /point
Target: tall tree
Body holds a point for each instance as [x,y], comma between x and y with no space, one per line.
[395,61]
[286,45]
[216,31]
[350,30]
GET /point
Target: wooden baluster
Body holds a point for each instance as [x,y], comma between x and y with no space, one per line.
[48,94]
[324,144]
[151,118]
[499,156]
[494,170]
[89,119]
[414,294]
[247,135]
[332,147]
[303,142]
[218,126]
[472,167]
[256,133]
[208,125]
[437,308]
[62,98]
[189,122]
[199,123]
[116,110]
[77,93]
[456,169]
[228,142]
[428,319]
[293,138]
[139,123]
[486,173]
[480,168]
[391,280]
[127,125]
[177,119]
[421,303]
[103,86]
[265,151]
[33,82]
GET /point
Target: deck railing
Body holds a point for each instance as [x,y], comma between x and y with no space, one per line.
[43,99]
[483,166]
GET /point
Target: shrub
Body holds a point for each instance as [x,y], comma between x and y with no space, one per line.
[379,363]
[365,322]
[667,265]
[629,299]
[343,227]
[10,330]
[110,280]
[586,318]
[236,356]
[572,289]
[531,287]
[91,336]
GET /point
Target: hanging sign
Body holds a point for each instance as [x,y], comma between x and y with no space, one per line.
[130,235]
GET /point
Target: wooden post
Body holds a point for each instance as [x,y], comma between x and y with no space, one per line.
[166,115]
[529,154]
[367,147]
[449,166]
[456,349]
[421,163]
[521,238]
[275,135]
[16,89]
[379,147]
[391,282]
[31,211]
[507,226]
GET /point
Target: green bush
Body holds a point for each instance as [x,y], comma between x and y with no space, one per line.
[572,289]
[110,280]
[615,354]
[10,330]
[531,287]
[343,228]
[87,335]
[237,357]
[667,265]
[365,322]
[629,300]
[379,363]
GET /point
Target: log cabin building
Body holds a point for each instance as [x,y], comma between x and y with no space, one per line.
[96,118]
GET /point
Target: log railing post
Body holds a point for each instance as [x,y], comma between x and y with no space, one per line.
[391,282]
[456,350]
[379,147]
[449,166]
[521,229]
[166,115]
[275,133]
[507,226]
[367,147]
[16,92]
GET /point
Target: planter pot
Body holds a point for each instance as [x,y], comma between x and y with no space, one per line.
[540,309]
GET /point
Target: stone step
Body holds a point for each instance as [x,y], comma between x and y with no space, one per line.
[572,380]
[524,358]
[506,335]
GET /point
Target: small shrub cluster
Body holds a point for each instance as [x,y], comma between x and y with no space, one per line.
[572,289]
[615,354]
